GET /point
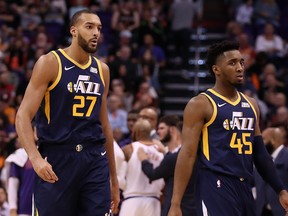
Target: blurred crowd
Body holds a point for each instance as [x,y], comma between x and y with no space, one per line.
[134,41]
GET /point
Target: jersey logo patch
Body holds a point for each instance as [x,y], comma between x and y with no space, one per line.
[245,105]
[93,70]
[68,68]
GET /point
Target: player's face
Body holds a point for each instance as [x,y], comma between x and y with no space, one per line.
[231,68]
[164,132]
[89,28]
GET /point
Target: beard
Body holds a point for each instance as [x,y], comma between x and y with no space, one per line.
[166,138]
[85,45]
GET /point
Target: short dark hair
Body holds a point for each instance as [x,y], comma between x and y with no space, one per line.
[218,49]
[76,15]
[170,120]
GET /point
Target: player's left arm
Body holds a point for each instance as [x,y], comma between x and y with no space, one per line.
[103,115]
[264,163]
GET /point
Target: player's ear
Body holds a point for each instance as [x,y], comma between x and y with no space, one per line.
[73,31]
[215,69]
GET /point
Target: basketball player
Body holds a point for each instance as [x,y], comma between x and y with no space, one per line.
[228,123]
[75,160]
[141,197]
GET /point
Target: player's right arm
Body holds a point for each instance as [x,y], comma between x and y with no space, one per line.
[194,118]
[44,72]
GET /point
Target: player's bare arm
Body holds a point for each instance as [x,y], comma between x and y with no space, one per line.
[45,71]
[103,115]
[197,112]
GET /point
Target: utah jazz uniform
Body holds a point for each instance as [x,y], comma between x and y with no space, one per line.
[71,139]
[226,158]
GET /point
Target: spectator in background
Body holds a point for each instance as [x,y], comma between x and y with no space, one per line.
[126,97]
[157,52]
[234,30]
[76,6]
[7,135]
[270,43]
[150,113]
[116,115]
[265,11]
[271,85]
[150,24]
[30,18]
[124,39]
[246,49]
[132,117]
[244,16]
[182,14]
[122,67]
[8,15]
[279,117]
[145,96]
[126,17]
[255,70]
[104,9]
[103,49]
[6,107]
[149,70]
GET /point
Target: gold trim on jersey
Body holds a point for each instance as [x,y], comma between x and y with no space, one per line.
[233,103]
[47,106]
[253,108]
[59,72]
[205,140]
[100,70]
[83,67]
[52,86]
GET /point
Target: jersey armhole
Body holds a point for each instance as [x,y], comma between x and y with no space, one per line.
[214,114]
[59,74]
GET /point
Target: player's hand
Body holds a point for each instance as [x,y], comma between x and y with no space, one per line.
[159,146]
[115,196]
[175,210]
[44,170]
[283,198]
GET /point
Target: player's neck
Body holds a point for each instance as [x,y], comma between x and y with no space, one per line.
[77,54]
[229,93]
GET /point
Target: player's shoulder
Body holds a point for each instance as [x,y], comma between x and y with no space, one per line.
[48,59]
[199,100]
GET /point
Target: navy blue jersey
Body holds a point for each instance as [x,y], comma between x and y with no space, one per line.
[70,109]
[227,138]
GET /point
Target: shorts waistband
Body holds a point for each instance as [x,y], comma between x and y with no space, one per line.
[240,178]
[72,147]
[130,197]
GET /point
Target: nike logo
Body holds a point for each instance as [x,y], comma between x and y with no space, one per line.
[103,153]
[220,105]
[68,68]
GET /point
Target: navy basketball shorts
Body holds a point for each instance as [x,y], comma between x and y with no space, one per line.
[83,188]
[222,195]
